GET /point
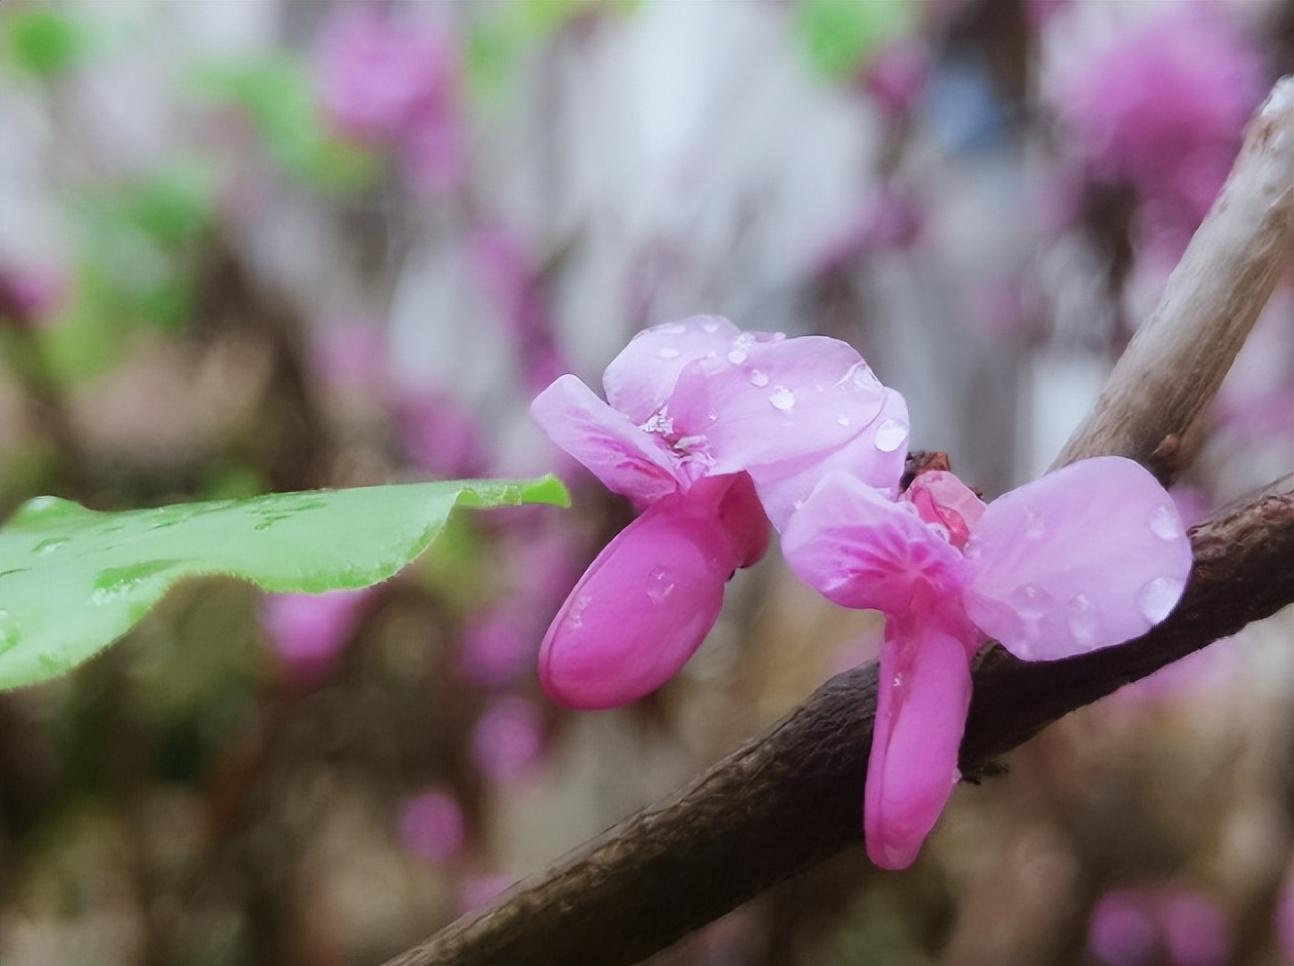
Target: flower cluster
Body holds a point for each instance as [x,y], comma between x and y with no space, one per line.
[714,434]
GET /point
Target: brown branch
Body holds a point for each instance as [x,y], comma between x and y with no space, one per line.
[1178,358]
[792,798]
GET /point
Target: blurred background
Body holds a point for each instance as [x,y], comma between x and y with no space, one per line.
[283,244]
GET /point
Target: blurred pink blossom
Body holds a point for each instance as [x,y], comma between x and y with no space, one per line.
[1166,924]
[896,76]
[438,434]
[395,83]
[495,648]
[507,739]
[432,826]
[1163,108]
[348,355]
[308,631]
[1121,931]
[889,219]
[30,296]
[480,891]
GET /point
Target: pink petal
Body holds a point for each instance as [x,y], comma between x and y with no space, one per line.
[1088,556]
[742,518]
[860,549]
[783,487]
[775,402]
[640,610]
[922,698]
[640,379]
[622,456]
[946,504]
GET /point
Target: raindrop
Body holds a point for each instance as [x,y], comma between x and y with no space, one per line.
[758,378]
[575,616]
[1165,523]
[672,328]
[710,326]
[737,356]
[660,586]
[1083,620]
[1029,602]
[1158,598]
[1033,527]
[898,679]
[779,336]
[782,398]
[668,353]
[890,435]
[842,420]
[52,544]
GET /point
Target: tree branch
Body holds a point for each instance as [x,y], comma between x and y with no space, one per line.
[792,798]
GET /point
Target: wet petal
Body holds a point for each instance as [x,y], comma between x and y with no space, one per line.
[777,401]
[783,487]
[923,694]
[860,549]
[640,379]
[1088,556]
[640,610]
[622,456]
[946,504]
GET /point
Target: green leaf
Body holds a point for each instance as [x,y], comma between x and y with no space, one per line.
[43,43]
[74,580]
[840,34]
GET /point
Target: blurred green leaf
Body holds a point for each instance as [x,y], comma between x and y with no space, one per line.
[840,34]
[74,580]
[43,42]
[276,93]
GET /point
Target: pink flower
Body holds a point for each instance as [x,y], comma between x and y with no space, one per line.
[896,76]
[1163,108]
[30,295]
[707,430]
[432,826]
[438,434]
[394,84]
[308,631]
[1086,557]
[494,649]
[507,739]
[1168,924]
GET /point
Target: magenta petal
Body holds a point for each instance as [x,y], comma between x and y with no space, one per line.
[742,517]
[875,456]
[771,402]
[861,549]
[622,456]
[1088,556]
[923,694]
[640,379]
[640,610]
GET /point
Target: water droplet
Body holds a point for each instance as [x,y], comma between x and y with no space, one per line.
[758,378]
[1033,526]
[1029,602]
[842,420]
[744,340]
[779,336]
[941,532]
[672,328]
[973,549]
[737,356]
[890,435]
[575,616]
[52,544]
[710,326]
[667,353]
[1083,620]
[1158,598]
[898,679]
[659,586]
[116,581]
[782,398]
[1165,523]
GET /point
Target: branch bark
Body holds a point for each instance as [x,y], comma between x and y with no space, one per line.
[792,798]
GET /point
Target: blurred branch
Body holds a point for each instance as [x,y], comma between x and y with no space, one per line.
[792,798]
[1179,356]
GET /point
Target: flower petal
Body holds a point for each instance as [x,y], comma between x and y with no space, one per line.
[946,504]
[783,487]
[1088,556]
[640,610]
[775,402]
[622,456]
[860,549]
[640,379]
[744,523]
[922,698]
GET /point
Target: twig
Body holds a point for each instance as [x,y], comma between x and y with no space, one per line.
[789,799]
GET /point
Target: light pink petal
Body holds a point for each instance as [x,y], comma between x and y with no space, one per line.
[1088,556]
[640,610]
[774,402]
[922,697]
[783,487]
[947,504]
[626,459]
[861,549]
[640,379]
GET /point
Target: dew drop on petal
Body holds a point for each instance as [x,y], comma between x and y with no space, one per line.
[782,398]
[1164,523]
[659,586]
[1029,602]
[1158,598]
[890,435]
[672,328]
[1083,620]
[842,420]
[1033,526]
[973,549]
[779,336]
[898,679]
[737,356]
[758,378]
[668,353]
[710,326]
